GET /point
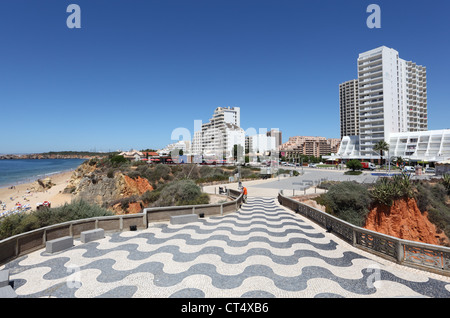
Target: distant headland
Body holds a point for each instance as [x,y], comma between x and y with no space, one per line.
[58,155]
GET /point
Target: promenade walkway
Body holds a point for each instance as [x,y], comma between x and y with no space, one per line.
[263,250]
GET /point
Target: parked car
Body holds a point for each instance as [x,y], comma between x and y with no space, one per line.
[312,165]
[430,170]
[409,169]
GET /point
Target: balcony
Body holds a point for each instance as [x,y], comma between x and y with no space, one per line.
[373,72]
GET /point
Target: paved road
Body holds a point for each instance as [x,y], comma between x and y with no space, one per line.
[303,184]
[263,250]
[314,177]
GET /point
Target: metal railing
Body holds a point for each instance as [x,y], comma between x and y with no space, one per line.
[423,256]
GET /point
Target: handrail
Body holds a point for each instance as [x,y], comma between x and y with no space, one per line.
[423,256]
[27,242]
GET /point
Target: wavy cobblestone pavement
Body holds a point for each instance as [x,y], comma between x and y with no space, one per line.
[263,250]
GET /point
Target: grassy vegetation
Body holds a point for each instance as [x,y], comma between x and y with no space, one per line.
[434,198]
[386,190]
[348,201]
[160,174]
[19,223]
[351,201]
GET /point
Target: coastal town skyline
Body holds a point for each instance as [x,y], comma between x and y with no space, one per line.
[133,73]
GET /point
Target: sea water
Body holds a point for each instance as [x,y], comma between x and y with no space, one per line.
[17,171]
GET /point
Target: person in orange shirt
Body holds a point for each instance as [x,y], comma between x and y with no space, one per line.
[244,192]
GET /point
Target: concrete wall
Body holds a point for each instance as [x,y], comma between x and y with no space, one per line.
[24,243]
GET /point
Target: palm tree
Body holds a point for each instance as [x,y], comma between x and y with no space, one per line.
[381,146]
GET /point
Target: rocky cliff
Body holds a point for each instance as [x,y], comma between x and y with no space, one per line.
[404,220]
[93,186]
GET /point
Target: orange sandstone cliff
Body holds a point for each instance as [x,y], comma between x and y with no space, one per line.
[95,187]
[404,220]
[136,186]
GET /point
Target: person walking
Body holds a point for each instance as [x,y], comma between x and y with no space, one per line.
[244,192]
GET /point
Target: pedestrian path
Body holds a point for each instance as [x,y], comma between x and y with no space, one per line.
[263,250]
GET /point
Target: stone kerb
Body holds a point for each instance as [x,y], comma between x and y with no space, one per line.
[59,244]
[183,219]
[92,235]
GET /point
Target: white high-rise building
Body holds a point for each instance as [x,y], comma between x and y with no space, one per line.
[218,136]
[262,143]
[393,107]
[392,97]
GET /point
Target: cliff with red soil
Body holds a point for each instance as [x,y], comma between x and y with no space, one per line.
[136,186]
[132,188]
[404,220]
[91,185]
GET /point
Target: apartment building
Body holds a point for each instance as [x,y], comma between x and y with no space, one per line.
[393,107]
[184,145]
[218,136]
[276,133]
[309,146]
[349,108]
[392,97]
[261,143]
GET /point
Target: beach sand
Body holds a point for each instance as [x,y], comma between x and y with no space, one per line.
[26,193]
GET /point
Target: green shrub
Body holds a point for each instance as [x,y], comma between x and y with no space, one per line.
[386,190]
[326,185]
[354,164]
[187,171]
[125,202]
[134,174]
[182,192]
[19,223]
[10,225]
[432,198]
[110,173]
[348,201]
[117,160]
[159,172]
[150,196]
[446,182]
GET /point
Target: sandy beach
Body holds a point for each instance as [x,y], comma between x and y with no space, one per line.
[27,193]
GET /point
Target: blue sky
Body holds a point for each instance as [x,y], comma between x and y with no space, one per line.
[138,69]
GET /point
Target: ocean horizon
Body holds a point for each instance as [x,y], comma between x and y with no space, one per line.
[15,172]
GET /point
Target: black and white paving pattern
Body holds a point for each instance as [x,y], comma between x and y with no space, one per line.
[263,250]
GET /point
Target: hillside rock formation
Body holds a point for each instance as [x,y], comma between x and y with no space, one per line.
[93,186]
[404,220]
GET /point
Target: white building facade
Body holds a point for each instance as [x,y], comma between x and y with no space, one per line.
[184,145]
[392,95]
[218,136]
[262,143]
[431,145]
